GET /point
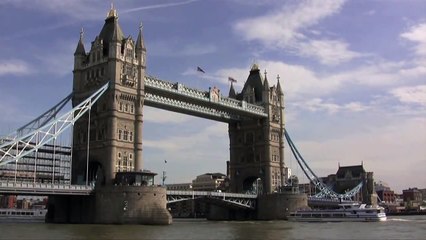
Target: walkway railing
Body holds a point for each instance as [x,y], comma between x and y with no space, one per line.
[199,101]
[30,188]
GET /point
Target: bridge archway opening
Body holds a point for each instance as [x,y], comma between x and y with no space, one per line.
[253,185]
[96,173]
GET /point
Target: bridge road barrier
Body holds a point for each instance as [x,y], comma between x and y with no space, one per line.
[44,188]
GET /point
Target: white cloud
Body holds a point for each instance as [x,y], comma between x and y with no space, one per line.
[328,52]
[14,67]
[58,61]
[165,5]
[384,149]
[197,49]
[299,82]
[417,34]
[174,48]
[415,95]
[86,10]
[284,25]
[355,107]
[285,29]
[78,9]
[370,12]
[197,142]
[318,104]
[189,154]
[156,115]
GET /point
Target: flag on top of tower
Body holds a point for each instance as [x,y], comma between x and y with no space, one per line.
[231,79]
[200,70]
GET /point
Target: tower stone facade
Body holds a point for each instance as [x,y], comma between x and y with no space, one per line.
[114,132]
[257,145]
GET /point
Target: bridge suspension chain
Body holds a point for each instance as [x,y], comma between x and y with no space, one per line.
[325,191]
[21,146]
[41,120]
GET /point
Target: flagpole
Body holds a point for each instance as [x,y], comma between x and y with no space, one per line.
[200,71]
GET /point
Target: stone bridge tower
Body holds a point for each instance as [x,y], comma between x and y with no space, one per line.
[257,145]
[114,135]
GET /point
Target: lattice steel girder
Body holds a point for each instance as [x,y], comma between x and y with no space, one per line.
[24,145]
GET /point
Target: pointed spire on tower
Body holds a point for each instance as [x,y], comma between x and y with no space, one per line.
[265,82]
[80,45]
[112,12]
[232,93]
[279,89]
[139,42]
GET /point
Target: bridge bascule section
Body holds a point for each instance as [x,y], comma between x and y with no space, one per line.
[234,200]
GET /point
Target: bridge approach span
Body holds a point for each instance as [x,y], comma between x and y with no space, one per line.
[43,189]
[236,200]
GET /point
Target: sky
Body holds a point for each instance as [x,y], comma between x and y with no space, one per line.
[353,74]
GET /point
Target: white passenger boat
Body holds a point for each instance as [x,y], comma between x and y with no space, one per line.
[344,213]
[22,215]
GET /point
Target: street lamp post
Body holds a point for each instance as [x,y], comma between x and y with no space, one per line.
[164,173]
[257,185]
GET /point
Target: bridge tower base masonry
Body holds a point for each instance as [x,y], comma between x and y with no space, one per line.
[274,206]
[112,205]
[279,205]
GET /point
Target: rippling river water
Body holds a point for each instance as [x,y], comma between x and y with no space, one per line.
[407,227]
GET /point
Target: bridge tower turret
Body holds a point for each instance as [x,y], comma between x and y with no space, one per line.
[256,145]
[112,142]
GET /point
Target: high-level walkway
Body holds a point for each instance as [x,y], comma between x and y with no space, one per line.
[206,104]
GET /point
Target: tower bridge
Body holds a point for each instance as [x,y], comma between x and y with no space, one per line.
[108,139]
[255,115]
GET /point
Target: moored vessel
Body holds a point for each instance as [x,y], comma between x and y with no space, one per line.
[22,215]
[352,212]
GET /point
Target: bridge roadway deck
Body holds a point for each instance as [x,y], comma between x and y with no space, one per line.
[31,188]
[43,189]
[240,200]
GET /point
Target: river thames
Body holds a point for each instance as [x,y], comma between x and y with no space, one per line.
[405,227]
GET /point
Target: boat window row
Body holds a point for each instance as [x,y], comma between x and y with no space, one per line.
[320,215]
[16,213]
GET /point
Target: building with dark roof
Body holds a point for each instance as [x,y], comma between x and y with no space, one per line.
[347,178]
